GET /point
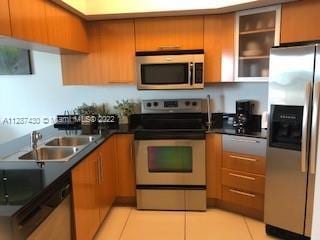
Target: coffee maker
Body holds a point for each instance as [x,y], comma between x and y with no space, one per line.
[243,118]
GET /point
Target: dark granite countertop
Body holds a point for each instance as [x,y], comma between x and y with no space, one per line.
[26,181]
[22,182]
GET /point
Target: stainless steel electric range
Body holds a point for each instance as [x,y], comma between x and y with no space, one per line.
[170,156]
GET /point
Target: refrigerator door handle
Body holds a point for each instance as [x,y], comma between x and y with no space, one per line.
[314,129]
[304,139]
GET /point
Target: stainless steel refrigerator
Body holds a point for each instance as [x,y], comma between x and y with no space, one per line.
[292,152]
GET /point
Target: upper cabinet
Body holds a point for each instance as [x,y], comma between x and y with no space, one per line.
[117,52]
[65,30]
[169,33]
[84,69]
[28,20]
[5,28]
[300,21]
[219,48]
[44,22]
[111,57]
[257,31]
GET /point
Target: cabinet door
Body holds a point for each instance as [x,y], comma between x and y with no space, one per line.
[219,48]
[85,199]
[5,28]
[84,69]
[126,180]
[214,165]
[28,20]
[299,21]
[117,52]
[65,30]
[107,186]
[171,33]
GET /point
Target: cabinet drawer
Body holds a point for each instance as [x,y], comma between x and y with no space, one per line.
[244,162]
[244,181]
[245,145]
[247,199]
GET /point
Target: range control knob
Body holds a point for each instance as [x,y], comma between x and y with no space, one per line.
[155,104]
[148,104]
[187,103]
[194,103]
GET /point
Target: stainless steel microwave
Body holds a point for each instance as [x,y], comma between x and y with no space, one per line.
[170,70]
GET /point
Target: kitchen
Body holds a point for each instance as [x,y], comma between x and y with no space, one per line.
[100,67]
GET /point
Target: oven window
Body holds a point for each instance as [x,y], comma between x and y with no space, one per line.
[173,73]
[170,159]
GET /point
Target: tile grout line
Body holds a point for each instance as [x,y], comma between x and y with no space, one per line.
[125,224]
[245,221]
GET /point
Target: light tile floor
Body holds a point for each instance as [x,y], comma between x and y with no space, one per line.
[125,223]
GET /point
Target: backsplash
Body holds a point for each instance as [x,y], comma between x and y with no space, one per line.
[43,95]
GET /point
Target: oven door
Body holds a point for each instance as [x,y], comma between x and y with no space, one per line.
[170,162]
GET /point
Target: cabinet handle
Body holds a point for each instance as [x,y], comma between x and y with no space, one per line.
[242,176]
[245,140]
[169,47]
[242,193]
[243,158]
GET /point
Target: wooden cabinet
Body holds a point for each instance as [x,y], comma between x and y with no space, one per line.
[65,30]
[126,180]
[117,52]
[219,48]
[243,174]
[214,164]
[107,187]
[93,188]
[170,33]
[5,27]
[28,20]
[111,57]
[257,30]
[82,69]
[300,21]
[85,178]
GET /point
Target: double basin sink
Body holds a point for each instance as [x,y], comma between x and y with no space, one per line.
[58,149]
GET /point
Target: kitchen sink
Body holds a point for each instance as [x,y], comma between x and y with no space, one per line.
[49,153]
[70,141]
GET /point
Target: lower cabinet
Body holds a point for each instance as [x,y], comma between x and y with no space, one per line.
[214,161]
[243,174]
[93,188]
[126,176]
[235,173]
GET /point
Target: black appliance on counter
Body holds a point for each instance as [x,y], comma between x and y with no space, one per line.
[243,118]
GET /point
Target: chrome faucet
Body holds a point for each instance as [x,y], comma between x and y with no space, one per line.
[35,137]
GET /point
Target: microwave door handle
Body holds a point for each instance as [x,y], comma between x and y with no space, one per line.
[314,149]
[191,78]
[304,138]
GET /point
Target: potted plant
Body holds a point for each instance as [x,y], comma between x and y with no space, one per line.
[124,109]
[88,116]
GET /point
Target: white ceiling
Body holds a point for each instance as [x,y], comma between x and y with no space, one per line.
[106,9]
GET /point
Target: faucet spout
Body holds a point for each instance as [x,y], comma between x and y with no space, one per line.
[35,137]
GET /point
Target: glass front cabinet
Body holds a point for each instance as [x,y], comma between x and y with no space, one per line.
[257,30]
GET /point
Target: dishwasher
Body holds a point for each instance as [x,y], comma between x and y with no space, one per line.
[50,216]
